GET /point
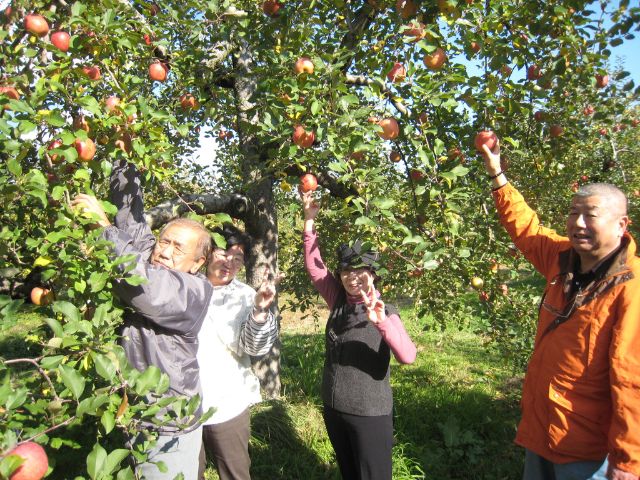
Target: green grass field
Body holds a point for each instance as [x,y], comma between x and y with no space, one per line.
[456,407]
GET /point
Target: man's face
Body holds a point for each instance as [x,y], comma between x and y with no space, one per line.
[177,249]
[225,264]
[595,226]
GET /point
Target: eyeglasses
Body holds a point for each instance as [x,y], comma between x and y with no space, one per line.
[178,251]
[237,260]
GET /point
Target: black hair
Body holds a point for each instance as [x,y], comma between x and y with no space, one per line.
[233,236]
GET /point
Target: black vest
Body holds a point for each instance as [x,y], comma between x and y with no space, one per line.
[356,363]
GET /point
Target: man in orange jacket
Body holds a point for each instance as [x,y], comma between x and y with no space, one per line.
[581,397]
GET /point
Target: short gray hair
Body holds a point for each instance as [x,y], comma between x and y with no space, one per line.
[607,191]
[203,247]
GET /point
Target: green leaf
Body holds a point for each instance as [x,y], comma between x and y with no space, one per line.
[108,421]
[49,363]
[114,459]
[366,221]
[135,280]
[147,380]
[68,310]
[55,327]
[72,379]
[97,281]
[105,366]
[96,461]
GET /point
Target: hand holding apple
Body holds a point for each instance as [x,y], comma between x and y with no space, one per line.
[310,206]
[491,155]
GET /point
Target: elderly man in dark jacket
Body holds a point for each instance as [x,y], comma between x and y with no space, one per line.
[167,310]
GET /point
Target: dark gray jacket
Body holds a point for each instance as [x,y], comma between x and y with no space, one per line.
[167,310]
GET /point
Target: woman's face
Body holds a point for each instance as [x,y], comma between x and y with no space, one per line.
[356,280]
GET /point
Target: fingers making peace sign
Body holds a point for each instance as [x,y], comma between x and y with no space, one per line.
[375,306]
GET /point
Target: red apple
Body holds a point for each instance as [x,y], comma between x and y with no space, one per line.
[483,296]
[55,158]
[534,72]
[602,81]
[506,70]
[35,462]
[397,73]
[154,9]
[539,116]
[556,131]
[36,24]
[308,182]
[86,149]
[475,47]
[485,137]
[435,60]
[9,92]
[92,73]
[635,122]
[584,178]
[602,131]
[406,8]
[423,118]
[416,175]
[303,65]
[588,110]
[271,7]
[415,30]
[158,71]
[455,153]
[395,156]
[302,138]
[147,39]
[39,296]
[61,40]
[358,156]
[112,103]
[390,128]
[188,101]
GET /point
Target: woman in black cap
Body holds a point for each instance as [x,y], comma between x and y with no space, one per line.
[360,335]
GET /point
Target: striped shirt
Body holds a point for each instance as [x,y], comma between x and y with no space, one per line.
[228,338]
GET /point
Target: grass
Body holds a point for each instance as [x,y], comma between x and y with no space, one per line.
[456,407]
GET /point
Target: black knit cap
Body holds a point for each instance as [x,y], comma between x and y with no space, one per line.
[357,254]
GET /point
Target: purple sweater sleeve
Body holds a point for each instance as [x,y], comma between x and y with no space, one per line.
[394,333]
[322,279]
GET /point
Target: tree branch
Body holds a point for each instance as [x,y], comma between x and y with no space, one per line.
[235,205]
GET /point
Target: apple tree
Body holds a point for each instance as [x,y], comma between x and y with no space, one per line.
[379,100]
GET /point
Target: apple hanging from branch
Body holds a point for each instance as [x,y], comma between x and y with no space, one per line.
[36,25]
[61,40]
[303,138]
[35,462]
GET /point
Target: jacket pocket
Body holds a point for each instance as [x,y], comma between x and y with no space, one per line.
[575,424]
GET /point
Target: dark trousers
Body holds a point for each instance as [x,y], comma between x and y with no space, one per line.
[362,444]
[227,444]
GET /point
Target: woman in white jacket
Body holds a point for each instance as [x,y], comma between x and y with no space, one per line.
[238,325]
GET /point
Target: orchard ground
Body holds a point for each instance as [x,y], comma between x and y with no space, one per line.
[456,407]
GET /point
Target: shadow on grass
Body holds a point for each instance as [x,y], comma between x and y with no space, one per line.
[455,412]
[286,443]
